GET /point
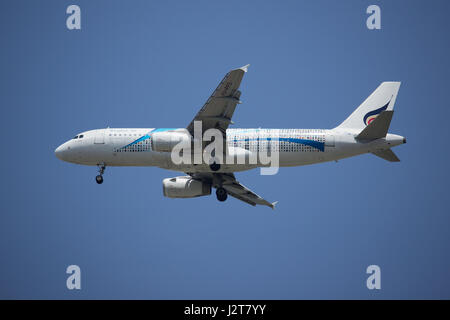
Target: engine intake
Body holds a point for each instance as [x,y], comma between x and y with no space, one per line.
[185,187]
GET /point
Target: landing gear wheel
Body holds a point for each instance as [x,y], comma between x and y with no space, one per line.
[214,166]
[101,170]
[99,179]
[221,194]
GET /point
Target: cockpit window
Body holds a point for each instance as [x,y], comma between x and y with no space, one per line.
[81,136]
[76,137]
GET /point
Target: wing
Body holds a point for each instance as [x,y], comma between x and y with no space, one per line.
[219,108]
[233,187]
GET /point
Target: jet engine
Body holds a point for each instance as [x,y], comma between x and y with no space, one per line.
[166,141]
[185,187]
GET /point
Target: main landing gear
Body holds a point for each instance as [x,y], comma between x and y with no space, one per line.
[214,166]
[221,194]
[101,170]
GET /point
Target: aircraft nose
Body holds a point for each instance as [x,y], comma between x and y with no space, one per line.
[58,152]
[61,152]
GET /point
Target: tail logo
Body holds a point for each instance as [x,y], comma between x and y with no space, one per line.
[372,115]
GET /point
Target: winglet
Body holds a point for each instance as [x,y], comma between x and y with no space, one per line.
[245,68]
[273,204]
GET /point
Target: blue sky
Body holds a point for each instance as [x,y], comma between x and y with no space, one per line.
[154,64]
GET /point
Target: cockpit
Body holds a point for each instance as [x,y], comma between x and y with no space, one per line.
[78,137]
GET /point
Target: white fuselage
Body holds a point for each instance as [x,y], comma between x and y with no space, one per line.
[296,147]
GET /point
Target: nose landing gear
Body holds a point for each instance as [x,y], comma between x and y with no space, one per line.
[99,179]
[101,170]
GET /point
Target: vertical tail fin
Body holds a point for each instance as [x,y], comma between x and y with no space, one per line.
[382,99]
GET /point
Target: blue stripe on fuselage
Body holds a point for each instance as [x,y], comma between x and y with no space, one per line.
[147,136]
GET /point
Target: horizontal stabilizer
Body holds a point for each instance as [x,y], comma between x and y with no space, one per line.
[378,128]
[388,155]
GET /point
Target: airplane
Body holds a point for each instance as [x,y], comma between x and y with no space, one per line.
[364,131]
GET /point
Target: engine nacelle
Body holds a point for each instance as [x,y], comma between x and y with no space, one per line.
[165,141]
[185,187]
